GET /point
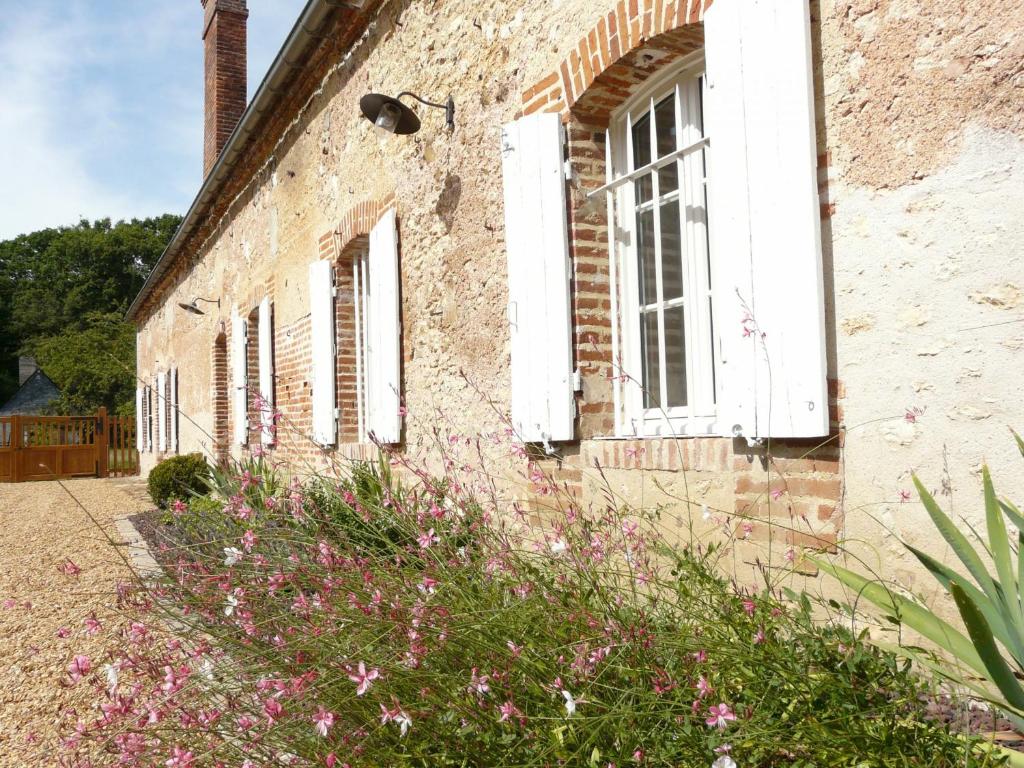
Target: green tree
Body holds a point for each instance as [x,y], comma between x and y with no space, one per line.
[53,283]
[92,366]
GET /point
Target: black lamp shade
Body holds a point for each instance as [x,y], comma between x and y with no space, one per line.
[395,113]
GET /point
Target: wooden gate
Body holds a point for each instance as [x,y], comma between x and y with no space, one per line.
[50,447]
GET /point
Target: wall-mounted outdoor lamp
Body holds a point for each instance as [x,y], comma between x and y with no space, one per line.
[392,116]
[194,308]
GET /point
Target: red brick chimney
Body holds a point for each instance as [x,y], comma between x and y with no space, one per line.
[224,43]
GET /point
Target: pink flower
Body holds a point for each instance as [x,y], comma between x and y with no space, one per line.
[479,684]
[363,678]
[248,540]
[720,716]
[759,636]
[68,568]
[63,632]
[508,710]
[79,668]
[428,538]
[92,626]
[748,528]
[272,709]
[704,687]
[180,758]
[904,495]
[748,606]
[776,494]
[517,650]
[179,507]
[322,721]
[428,586]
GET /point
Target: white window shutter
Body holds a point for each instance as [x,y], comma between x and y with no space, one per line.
[765,220]
[385,332]
[173,385]
[239,375]
[161,411]
[322,352]
[266,360]
[149,419]
[539,313]
[140,434]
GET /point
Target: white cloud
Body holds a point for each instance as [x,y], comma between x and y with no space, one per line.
[101,106]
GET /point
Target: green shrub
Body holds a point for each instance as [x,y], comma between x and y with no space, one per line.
[179,477]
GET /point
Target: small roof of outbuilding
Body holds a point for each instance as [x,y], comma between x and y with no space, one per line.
[33,397]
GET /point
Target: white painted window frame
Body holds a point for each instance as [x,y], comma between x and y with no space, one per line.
[699,416]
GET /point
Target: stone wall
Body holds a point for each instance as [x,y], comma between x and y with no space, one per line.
[921,174]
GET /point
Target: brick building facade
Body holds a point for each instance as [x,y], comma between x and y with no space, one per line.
[801,391]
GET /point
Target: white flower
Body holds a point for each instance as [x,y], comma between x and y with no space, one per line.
[705,513]
[111,672]
[557,547]
[404,723]
[231,604]
[724,762]
[207,668]
[570,704]
[232,555]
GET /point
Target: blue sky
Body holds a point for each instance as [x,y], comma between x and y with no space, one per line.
[101,105]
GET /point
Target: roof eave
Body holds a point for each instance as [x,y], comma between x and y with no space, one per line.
[304,33]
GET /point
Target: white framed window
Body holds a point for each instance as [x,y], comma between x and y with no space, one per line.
[662,270]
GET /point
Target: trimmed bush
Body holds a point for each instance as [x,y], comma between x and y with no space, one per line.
[179,477]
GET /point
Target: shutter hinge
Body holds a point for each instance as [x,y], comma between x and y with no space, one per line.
[569,172]
[577,381]
[337,413]
[622,235]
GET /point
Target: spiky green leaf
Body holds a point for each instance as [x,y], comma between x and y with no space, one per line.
[998,671]
[914,615]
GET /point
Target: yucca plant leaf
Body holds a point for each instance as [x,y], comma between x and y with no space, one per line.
[999,671]
[1020,442]
[914,615]
[946,575]
[1001,553]
[967,554]
[1011,511]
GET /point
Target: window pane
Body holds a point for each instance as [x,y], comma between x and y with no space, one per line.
[665,125]
[649,355]
[675,357]
[642,156]
[646,265]
[671,251]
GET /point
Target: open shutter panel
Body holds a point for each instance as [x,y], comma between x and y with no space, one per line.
[140,435]
[266,329]
[322,351]
[161,411]
[149,419]
[239,364]
[765,221]
[385,332]
[174,409]
[536,238]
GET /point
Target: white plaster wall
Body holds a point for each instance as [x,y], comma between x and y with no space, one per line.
[929,291]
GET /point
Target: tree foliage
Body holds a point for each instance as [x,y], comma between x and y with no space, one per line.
[63,294]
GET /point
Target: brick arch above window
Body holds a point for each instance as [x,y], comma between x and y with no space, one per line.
[356,223]
[629,42]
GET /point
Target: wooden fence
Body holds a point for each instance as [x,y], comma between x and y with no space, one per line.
[50,447]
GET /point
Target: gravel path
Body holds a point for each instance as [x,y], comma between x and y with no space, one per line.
[42,528]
